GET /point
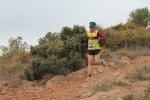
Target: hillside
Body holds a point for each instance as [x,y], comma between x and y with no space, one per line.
[74,87]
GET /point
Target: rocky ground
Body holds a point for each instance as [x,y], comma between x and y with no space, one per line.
[74,87]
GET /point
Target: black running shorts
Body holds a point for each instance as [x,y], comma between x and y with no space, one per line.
[94,52]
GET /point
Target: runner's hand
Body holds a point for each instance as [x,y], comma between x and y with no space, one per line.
[100,41]
[82,41]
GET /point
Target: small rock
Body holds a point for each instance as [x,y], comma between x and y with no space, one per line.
[5,84]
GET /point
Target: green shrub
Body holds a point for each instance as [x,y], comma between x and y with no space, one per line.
[129,38]
[62,53]
[57,57]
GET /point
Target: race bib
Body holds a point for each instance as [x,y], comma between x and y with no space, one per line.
[91,44]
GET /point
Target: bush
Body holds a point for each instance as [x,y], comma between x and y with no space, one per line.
[128,38]
[128,97]
[63,53]
[57,57]
[147,93]
[140,74]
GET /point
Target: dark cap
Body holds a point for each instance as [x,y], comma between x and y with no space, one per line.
[92,24]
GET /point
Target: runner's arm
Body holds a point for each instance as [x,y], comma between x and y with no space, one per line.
[102,37]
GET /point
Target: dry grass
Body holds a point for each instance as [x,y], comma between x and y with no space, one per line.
[147,93]
[140,74]
[102,87]
[116,56]
[113,57]
[11,76]
[133,53]
[45,79]
[12,70]
[107,85]
[128,97]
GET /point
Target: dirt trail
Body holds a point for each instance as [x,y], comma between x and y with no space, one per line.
[77,88]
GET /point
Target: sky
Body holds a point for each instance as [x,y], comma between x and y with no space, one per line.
[33,19]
